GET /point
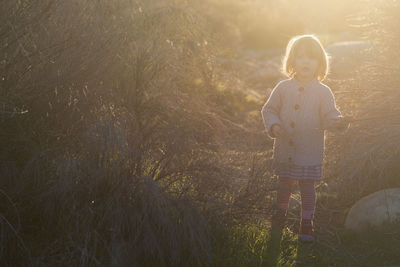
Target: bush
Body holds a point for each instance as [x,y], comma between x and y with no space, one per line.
[111,128]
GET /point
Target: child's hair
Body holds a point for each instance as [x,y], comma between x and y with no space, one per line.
[313,48]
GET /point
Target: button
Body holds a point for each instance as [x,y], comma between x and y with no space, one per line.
[291,142]
[290,158]
[292,124]
[296,107]
[301,89]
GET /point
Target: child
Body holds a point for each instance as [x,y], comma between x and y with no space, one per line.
[296,115]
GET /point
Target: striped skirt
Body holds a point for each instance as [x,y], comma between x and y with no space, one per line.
[290,170]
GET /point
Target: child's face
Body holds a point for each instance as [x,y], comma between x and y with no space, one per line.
[305,65]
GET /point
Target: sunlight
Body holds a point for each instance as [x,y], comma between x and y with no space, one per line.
[199,133]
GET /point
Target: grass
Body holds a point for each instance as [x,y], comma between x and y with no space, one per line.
[257,245]
[120,159]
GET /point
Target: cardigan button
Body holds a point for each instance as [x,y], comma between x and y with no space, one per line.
[291,142]
[290,158]
[301,89]
[292,124]
[296,107]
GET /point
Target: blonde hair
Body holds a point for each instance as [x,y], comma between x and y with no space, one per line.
[313,48]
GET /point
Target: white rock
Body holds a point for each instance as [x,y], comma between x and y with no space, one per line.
[374,209]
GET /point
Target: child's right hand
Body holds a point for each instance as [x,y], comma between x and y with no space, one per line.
[277,130]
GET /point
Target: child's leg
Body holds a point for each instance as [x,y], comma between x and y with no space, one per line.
[307,191]
[284,192]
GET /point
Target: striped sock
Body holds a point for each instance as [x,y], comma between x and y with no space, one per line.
[284,192]
[307,192]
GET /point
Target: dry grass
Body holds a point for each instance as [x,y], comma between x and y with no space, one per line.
[121,146]
[115,161]
[367,155]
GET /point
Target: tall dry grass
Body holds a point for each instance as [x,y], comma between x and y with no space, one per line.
[111,135]
[365,160]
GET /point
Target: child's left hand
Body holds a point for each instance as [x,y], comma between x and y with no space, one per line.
[341,123]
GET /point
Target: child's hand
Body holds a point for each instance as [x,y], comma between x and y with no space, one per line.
[348,119]
[277,130]
[341,123]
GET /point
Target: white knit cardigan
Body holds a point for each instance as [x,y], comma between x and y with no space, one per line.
[304,111]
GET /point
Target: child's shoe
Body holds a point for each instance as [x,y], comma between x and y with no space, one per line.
[278,218]
[306,231]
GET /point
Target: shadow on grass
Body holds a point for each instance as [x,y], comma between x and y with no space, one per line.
[305,254]
[284,249]
[273,246]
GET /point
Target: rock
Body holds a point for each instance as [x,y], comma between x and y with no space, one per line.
[347,49]
[347,57]
[374,209]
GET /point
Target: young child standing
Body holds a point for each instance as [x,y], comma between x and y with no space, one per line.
[296,115]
